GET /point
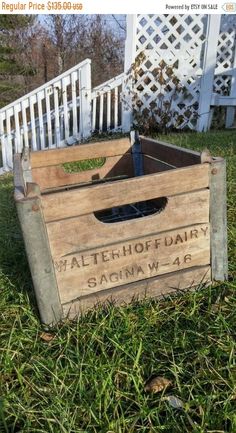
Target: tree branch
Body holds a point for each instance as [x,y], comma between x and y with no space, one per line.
[119,24]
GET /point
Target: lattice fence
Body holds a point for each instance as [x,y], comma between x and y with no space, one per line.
[171,54]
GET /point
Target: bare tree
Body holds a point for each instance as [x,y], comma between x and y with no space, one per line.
[77,37]
[48,46]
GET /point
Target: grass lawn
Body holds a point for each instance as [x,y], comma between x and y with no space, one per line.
[90,376]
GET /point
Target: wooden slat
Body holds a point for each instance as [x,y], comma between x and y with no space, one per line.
[62,141]
[94,113]
[85,100]
[90,199]
[25,104]
[74,234]
[174,155]
[153,165]
[101,268]
[82,152]
[101,105]
[3,143]
[218,218]
[74,103]
[55,176]
[65,107]
[41,126]
[32,124]
[56,113]
[18,144]
[116,101]
[9,149]
[108,109]
[152,287]
[49,122]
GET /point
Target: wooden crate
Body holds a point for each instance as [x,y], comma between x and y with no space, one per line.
[78,258]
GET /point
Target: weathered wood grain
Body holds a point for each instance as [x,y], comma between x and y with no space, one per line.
[218,219]
[85,200]
[153,287]
[55,176]
[68,234]
[84,272]
[169,153]
[80,152]
[40,259]
[77,260]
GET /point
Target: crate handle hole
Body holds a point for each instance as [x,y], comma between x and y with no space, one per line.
[83,165]
[132,211]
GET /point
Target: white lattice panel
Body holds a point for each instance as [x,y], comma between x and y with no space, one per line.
[178,41]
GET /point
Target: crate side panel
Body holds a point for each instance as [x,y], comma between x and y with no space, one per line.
[153,287]
[80,152]
[85,200]
[169,153]
[153,165]
[82,273]
[86,232]
[55,176]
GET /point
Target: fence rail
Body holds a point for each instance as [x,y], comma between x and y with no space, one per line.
[52,115]
[67,110]
[61,112]
[107,105]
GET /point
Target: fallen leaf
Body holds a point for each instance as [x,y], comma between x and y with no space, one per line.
[174,402]
[47,337]
[157,384]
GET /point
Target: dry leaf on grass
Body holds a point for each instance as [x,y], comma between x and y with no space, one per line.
[157,384]
[47,337]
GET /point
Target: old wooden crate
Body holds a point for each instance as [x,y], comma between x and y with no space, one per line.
[151,220]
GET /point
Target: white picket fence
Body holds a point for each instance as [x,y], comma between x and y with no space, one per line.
[107,105]
[59,113]
[67,110]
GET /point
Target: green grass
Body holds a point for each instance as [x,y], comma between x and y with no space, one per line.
[90,377]
[86,164]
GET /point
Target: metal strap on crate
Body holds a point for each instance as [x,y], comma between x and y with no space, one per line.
[136,153]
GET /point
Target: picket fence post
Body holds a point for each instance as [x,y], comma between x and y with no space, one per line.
[230,112]
[85,100]
[208,70]
[130,52]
